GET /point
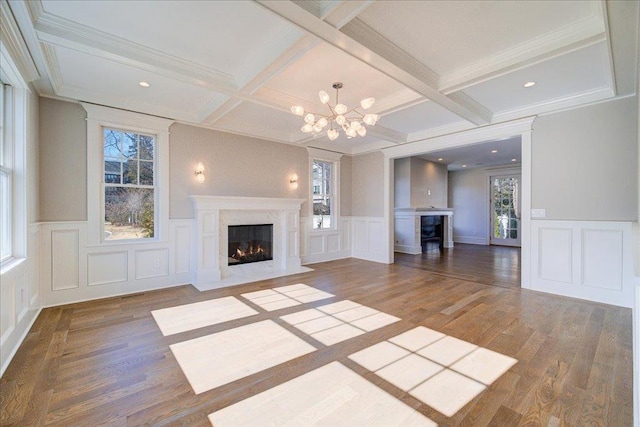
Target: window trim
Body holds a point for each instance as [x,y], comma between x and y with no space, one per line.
[98,118]
[334,159]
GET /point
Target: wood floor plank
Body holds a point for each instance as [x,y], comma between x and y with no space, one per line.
[106,362]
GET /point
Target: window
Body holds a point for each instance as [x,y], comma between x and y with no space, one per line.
[6,188]
[128,176]
[322,194]
[324,167]
[129,191]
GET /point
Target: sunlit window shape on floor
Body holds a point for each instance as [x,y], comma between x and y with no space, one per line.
[331,395]
[340,321]
[444,372]
[286,296]
[187,317]
[218,359]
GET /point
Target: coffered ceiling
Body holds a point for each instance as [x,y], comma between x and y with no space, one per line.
[434,67]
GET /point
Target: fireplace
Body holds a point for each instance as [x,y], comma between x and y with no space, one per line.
[250,243]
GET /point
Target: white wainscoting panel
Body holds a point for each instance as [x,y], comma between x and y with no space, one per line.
[152,263]
[583,259]
[107,267]
[602,259]
[19,298]
[554,249]
[325,245]
[316,244]
[65,262]
[369,238]
[7,305]
[183,247]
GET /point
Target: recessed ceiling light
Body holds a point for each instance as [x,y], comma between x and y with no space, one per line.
[144,84]
[494,151]
[464,166]
[440,159]
[529,84]
[514,160]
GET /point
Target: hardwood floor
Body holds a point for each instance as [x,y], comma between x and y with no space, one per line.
[490,265]
[106,362]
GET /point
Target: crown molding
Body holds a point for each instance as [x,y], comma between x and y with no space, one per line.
[579,35]
[467,137]
[568,102]
[65,33]
[110,101]
[439,131]
[53,67]
[13,43]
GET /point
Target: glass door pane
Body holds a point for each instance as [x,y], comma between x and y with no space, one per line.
[505,210]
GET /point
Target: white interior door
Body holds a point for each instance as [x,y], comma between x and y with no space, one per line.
[505,210]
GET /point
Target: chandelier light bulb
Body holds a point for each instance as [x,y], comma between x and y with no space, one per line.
[309,119]
[306,128]
[350,133]
[345,127]
[340,120]
[322,122]
[324,96]
[362,131]
[370,119]
[297,110]
[317,128]
[355,125]
[367,103]
[332,134]
[341,109]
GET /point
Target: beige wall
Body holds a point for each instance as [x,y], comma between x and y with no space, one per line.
[419,183]
[63,161]
[468,196]
[402,183]
[32,158]
[368,185]
[428,184]
[345,186]
[585,162]
[234,166]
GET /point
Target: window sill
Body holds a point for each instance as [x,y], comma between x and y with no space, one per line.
[10,264]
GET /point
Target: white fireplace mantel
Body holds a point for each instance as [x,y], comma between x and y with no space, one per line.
[215,213]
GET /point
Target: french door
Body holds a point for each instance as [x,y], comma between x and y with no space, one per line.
[505,210]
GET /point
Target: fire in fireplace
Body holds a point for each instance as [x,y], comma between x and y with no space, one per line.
[250,243]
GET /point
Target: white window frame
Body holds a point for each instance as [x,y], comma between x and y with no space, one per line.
[98,118]
[6,168]
[334,159]
[14,155]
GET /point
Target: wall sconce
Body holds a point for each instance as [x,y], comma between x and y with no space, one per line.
[200,172]
[293,181]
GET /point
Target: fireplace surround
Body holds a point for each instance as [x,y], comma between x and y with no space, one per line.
[214,215]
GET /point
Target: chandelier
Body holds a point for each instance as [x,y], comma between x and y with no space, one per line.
[351,121]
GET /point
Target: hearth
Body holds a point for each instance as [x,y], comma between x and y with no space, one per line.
[250,243]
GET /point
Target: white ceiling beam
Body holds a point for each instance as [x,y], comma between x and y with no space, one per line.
[346,11]
[379,55]
[335,13]
[292,54]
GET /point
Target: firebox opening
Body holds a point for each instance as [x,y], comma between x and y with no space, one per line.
[250,243]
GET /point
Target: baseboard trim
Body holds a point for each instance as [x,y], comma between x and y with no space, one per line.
[15,348]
